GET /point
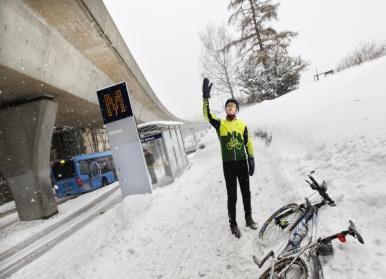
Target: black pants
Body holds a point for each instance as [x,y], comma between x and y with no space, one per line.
[153,176]
[234,170]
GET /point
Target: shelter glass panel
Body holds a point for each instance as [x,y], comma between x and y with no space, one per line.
[170,153]
[177,151]
[157,163]
[182,149]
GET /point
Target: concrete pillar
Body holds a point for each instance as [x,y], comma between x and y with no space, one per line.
[25,141]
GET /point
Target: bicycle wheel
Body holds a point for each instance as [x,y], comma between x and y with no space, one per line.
[298,270]
[276,228]
[317,270]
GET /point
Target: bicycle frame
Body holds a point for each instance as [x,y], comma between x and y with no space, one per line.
[282,251]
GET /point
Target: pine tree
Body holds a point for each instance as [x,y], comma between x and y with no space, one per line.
[267,71]
[257,38]
[280,75]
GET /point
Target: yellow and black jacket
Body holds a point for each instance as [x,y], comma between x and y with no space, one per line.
[235,142]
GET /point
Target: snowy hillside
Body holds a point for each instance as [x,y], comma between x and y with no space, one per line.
[336,126]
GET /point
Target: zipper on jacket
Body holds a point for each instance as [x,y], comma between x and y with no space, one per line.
[233,137]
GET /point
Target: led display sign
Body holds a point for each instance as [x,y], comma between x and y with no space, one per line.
[114,103]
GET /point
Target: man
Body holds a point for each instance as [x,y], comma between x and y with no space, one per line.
[236,147]
[149,158]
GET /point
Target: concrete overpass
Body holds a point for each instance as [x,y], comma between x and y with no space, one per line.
[54,55]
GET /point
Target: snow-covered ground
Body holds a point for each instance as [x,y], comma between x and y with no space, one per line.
[22,230]
[336,126]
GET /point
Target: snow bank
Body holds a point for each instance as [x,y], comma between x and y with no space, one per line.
[336,126]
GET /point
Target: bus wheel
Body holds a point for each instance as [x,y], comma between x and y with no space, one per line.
[104,181]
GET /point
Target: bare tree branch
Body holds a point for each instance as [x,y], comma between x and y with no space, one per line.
[218,62]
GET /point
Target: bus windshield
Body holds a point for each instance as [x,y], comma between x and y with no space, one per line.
[63,169]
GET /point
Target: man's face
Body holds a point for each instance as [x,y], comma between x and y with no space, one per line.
[231,108]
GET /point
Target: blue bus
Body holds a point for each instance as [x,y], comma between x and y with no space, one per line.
[82,173]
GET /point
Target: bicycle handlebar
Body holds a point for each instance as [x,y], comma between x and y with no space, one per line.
[327,198]
[322,189]
[314,182]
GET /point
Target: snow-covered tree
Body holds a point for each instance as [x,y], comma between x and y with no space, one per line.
[266,71]
[257,38]
[280,75]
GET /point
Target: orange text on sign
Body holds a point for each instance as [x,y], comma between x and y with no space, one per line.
[114,104]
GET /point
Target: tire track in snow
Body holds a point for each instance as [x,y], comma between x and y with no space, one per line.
[189,227]
[189,253]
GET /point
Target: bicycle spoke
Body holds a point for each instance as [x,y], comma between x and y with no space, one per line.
[295,272]
[278,232]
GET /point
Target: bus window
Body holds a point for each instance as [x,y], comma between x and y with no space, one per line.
[63,169]
[95,169]
[103,164]
[83,167]
[110,164]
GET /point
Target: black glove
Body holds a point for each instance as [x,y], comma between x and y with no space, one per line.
[251,165]
[206,87]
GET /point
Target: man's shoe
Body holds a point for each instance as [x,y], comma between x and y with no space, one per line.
[250,223]
[235,230]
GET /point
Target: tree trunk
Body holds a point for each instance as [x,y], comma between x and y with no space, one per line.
[259,41]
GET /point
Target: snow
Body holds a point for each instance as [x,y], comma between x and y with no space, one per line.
[335,126]
[6,207]
[21,231]
[160,123]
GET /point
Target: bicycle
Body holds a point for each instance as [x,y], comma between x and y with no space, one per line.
[282,222]
[287,261]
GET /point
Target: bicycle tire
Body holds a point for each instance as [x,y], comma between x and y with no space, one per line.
[317,267]
[298,270]
[270,231]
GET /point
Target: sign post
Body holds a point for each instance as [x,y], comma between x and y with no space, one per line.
[124,140]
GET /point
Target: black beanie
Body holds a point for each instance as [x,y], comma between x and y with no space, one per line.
[231,100]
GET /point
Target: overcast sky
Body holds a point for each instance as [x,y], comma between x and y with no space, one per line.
[163,38]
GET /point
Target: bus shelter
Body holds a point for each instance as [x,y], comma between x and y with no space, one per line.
[167,159]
